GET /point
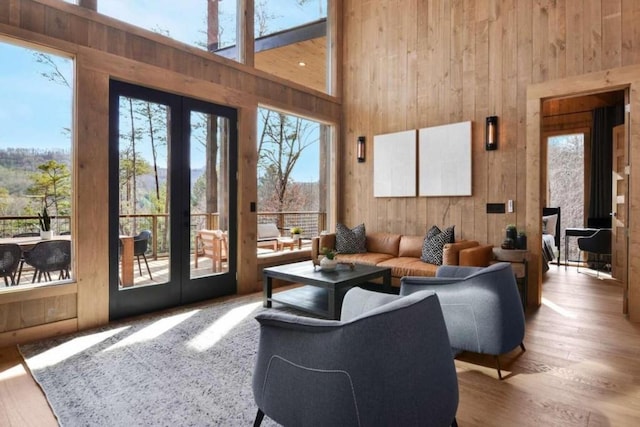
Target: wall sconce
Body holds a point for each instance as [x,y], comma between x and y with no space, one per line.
[491,137]
[360,149]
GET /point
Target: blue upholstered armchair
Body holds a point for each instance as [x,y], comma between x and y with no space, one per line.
[481,306]
[378,365]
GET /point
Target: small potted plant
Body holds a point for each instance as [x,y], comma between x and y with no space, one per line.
[45,225]
[521,241]
[328,261]
[295,233]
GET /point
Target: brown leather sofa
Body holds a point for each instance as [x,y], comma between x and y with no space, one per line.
[402,253]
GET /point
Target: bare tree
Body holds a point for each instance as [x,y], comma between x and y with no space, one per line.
[282,141]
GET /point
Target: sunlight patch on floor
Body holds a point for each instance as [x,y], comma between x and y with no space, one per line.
[68,349]
[12,372]
[154,330]
[214,333]
[555,307]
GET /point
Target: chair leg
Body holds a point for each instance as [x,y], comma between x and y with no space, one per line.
[259,418]
[454,423]
[6,282]
[139,267]
[498,367]
[148,269]
[20,270]
[522,346]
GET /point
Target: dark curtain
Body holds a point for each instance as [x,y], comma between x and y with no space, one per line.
[604,119]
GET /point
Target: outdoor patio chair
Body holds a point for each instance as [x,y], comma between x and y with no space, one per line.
[25,234]
[140,247]
[49,256]
[10,256]
[211,244]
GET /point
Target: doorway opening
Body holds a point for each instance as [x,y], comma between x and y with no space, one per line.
[578,169]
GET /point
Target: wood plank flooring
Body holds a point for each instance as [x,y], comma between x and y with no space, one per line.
[581,367]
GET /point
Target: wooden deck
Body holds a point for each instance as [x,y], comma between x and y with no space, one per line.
[160,267]
[580,368]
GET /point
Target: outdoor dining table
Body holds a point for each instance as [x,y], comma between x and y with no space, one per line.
[27,243]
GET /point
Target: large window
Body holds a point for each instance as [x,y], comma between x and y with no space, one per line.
[292,172]
[291,40]
[208,25]
[290,35]
[35,161]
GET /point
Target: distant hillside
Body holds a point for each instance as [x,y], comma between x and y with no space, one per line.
[28,159]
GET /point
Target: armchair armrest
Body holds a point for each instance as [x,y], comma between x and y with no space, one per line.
[456,271]
[411,284]
[293,322]
[359,301]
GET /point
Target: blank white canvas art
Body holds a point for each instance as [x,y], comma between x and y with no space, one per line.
[394,164]
[444,161]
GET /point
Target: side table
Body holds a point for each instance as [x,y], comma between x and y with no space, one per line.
[519,259]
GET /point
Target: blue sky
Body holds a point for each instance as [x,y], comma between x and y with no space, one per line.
[34,111]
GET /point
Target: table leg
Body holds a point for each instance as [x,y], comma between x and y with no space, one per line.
[267,290]
[331,302]
[386,281]
[566,251]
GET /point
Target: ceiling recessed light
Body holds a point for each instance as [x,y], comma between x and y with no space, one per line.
[302,64]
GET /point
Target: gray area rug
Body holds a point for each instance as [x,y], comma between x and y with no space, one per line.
[189,367]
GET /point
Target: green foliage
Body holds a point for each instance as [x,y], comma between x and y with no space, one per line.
[329,253]
[45,220]
[52,184]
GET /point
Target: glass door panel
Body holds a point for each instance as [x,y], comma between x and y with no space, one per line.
[209,142]
[144,216]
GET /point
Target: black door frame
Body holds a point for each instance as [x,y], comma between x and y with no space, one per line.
[179,289]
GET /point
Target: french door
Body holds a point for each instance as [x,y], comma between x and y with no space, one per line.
[172,201]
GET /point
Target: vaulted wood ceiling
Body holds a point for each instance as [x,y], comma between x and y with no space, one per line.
[285,62]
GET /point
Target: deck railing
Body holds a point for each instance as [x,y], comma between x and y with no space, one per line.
[312,223]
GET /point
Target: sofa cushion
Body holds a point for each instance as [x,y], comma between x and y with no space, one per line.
[432,248]
[371,258]
[409,266]
[350,241]
[411,246]
[384,243]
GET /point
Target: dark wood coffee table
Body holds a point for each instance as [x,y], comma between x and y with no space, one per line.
[324,290]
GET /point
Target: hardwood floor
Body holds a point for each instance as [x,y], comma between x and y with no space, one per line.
[581,367]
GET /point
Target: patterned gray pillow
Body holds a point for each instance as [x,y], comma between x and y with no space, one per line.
[350,241]
[434,241]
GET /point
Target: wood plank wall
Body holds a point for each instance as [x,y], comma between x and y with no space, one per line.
[416,63]
[105,48]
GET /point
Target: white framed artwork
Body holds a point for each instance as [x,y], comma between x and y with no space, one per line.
[444,161]
[394,164]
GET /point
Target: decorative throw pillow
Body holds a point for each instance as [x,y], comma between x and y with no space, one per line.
[434,241]
[350,241]
[432,232]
